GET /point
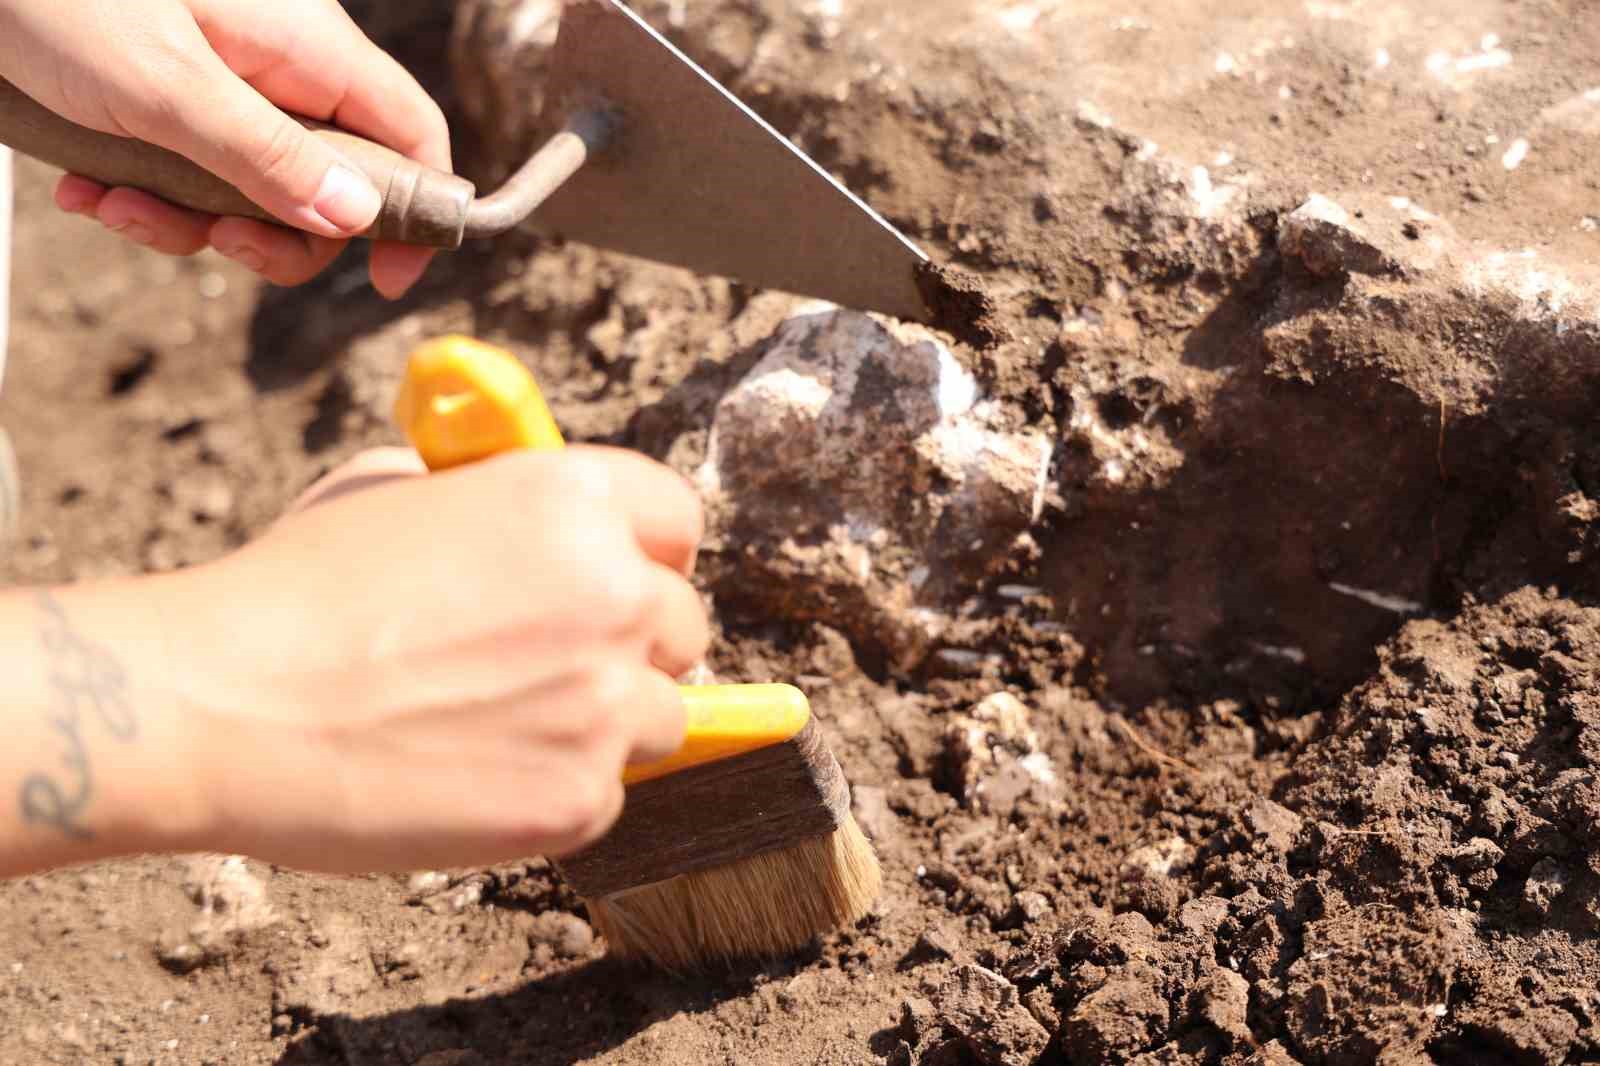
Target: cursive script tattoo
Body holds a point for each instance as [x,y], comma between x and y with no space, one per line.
[87,684]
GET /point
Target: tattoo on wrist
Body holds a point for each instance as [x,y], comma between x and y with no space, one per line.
[88,686]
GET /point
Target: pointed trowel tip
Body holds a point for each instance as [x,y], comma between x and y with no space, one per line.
[960,304]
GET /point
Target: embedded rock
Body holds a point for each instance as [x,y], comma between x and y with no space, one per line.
[993,755]
[985,1012]
[231,902]
[857,477]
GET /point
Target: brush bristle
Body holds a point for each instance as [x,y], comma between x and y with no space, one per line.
[766,905]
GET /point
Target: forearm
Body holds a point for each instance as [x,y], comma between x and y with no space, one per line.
[97,759]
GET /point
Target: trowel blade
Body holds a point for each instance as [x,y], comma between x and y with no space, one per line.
[696,179]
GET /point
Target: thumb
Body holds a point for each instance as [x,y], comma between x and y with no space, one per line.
[366,470]
[211,116]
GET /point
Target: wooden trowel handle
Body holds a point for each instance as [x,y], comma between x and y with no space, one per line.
[421,206]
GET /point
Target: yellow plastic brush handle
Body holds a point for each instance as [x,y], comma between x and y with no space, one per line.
[729,720]
[462,401]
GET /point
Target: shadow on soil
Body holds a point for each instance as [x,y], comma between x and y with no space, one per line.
[299,331]
[1324,497]
[564,1018]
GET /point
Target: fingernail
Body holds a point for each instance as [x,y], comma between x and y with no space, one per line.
[246,256]
[347,200]
[137,232]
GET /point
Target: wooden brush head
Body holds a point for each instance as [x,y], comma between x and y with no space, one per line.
[715,814]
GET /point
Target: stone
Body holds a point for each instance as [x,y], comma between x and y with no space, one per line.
[1376,236]
[180,954]
[1273,824]
[1324,237]
[870,806]
[1030,907]
[456,899]
[1546,881]
[1222,1001]
[839,406]
[918,1019]
[1159,860]
[986,1012]
[203,495]
[1479,853]
[1007,719]
[231,902]
[935,943]
[440,893]
[569,936]
[992,755]
[425,883]
[1204,915]
[1124,1016]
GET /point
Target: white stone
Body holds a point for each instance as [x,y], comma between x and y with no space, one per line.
[862,460]
[1162,859]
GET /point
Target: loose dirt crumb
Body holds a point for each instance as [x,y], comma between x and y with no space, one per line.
[961,306]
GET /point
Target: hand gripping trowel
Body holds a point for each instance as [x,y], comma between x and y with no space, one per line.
[653,159]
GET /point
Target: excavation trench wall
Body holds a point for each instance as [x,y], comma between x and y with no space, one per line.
[1290,406]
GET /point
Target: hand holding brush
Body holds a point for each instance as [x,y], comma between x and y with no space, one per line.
[739,843]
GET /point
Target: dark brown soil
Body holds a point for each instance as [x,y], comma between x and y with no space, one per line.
[1282,821]
[961,306]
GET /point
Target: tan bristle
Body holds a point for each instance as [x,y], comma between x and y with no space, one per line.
[766,905]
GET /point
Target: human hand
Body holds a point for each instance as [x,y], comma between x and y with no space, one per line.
[442,670]
[206,79]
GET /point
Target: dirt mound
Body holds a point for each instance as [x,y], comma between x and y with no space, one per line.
[1464,782]
[1424,887]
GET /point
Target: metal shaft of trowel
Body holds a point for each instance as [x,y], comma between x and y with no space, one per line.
[586,133]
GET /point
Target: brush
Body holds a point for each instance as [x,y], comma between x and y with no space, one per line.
[741,844]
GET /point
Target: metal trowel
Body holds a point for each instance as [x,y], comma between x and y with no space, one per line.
[653,158]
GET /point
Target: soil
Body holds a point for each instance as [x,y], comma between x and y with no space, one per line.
[1278,738]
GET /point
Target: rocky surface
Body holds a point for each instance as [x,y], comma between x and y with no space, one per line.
[230,903]
[857,477]
[1216,309]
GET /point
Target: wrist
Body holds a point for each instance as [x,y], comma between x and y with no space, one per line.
[154,799]
[248,782]
[102,763]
